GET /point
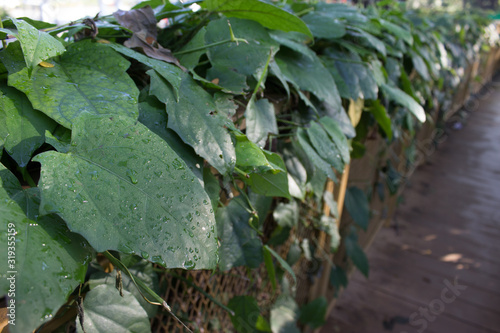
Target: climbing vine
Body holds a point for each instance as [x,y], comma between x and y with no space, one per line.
[127,145]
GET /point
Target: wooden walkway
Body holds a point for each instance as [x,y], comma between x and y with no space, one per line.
[439,271]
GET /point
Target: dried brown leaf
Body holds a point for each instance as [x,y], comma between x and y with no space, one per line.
[142,23]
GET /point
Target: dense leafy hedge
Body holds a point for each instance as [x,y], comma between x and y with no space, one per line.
[172,146]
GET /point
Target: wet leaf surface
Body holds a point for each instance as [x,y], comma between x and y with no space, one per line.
[37,45]
[123,188]
[142,270]
[106,311]
[87,78]
[50,261]
[196,120]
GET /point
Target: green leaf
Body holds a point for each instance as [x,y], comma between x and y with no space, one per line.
[397,31]
[271,272]
[190,60]
[380,114]
[272,183]
[420,66]
[169,72]
[37,45]
[294,41]
[338,278]
[297,175]
[152,114]
[88,78]
[212,187]
[22,127]
[261,205]
[276,71]
[378,71]
[394,70]
[309,75]
[279,236]
[240,244]
[260,121]
[164,5]
[369,40]
[324,146]
[283,263]
[334,131]
[59,145]
[106,311]
[266,14]
[358,206]
[50,261]
[343,120]
[316,159]
[353,71]
[250,158]
[284,315]
[355,252]
[358,149]
[341,11]
[229,80]
[314,313]
[247,317]
[142,270]
[397,95]
[245,59]
[123,188]
[323,25]
[225,104]
[12,58]
[35,23]
[196,120]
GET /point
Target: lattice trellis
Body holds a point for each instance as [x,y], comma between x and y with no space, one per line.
[201,314]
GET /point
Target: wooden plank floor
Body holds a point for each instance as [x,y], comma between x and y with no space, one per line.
[440,270]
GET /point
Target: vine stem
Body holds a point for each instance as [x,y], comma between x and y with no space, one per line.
[222,42]
[139,284]
[262,76]
[304,12]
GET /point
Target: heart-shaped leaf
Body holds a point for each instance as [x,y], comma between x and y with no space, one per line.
[268,15]
[48,262]
[37,45]
[123,188]
[142,270]
[196,120]
[106,311]
[88,78]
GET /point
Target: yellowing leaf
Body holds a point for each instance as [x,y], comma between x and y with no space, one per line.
[355,110]
[46,64]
